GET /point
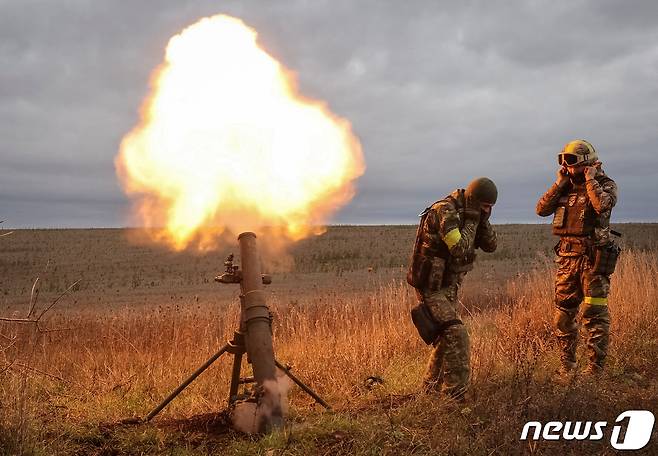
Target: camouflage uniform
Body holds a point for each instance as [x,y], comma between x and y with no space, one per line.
[586,225]
[450,238]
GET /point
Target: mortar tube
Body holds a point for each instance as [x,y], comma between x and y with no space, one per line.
[256,316]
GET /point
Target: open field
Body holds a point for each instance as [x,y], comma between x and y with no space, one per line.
[142,318]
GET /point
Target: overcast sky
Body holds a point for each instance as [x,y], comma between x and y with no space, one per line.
[437,92]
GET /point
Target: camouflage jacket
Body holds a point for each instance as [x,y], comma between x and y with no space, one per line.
[602,196]
[446,230]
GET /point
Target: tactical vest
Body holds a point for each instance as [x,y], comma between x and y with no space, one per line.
[425,247]
[575,215]
[430,247]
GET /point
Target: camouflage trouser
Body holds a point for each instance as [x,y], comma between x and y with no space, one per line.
[575,283]
[448,368]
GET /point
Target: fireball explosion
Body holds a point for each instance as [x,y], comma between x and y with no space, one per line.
[226,143]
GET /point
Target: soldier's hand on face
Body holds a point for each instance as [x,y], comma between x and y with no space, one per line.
[472,215]
[590,171]
[485,212]
[562,176]
[472,210]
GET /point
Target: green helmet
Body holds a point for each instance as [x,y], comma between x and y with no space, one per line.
[482,190]
[577,152]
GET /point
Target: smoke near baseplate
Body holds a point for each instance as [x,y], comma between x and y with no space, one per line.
[249,416]
[226,144]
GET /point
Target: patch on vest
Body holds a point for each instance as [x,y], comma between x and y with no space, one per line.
[559,218]
[572,200]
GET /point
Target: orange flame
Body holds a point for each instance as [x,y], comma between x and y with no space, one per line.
[227,144]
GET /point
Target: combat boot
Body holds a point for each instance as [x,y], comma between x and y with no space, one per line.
[430,386]
[592,370]
[458,396]
[565,372]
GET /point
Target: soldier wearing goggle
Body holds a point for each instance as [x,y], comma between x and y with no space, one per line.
[581,201]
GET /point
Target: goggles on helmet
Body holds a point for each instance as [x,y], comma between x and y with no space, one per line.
[569,159]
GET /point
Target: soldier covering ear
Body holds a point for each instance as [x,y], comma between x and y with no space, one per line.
[449,232]
[581,202]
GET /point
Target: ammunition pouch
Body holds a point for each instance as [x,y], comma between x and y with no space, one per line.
[428,329]
[559,217]
[605,258]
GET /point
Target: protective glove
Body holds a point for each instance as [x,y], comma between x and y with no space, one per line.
[472,212]
[484,216]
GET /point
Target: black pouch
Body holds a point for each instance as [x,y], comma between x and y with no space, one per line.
[559,217]
[427,328]
[605,259]
[419,270]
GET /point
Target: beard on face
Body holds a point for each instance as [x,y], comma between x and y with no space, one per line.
[577,175]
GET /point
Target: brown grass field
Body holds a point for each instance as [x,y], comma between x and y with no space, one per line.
[142,318]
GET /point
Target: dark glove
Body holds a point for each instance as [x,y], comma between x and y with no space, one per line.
[484,216]
[472,210]
[472,215]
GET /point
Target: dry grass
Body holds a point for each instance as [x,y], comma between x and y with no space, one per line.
[64,392]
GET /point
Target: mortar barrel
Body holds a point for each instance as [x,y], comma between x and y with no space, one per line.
[256,316]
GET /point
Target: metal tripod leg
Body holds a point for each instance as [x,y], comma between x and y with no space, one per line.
[299,383]
[238,349]
[189,380]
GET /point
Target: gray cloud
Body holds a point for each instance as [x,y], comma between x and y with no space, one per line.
[438,92]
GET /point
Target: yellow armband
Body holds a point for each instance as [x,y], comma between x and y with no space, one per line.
[452,238]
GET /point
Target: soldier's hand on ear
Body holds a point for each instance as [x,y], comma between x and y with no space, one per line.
[472,215]
[485,213]
[562,176]
[590,171]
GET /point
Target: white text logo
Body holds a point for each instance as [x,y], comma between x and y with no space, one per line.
[632,431]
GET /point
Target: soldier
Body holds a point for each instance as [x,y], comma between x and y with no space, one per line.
[449,232]
[581,200]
